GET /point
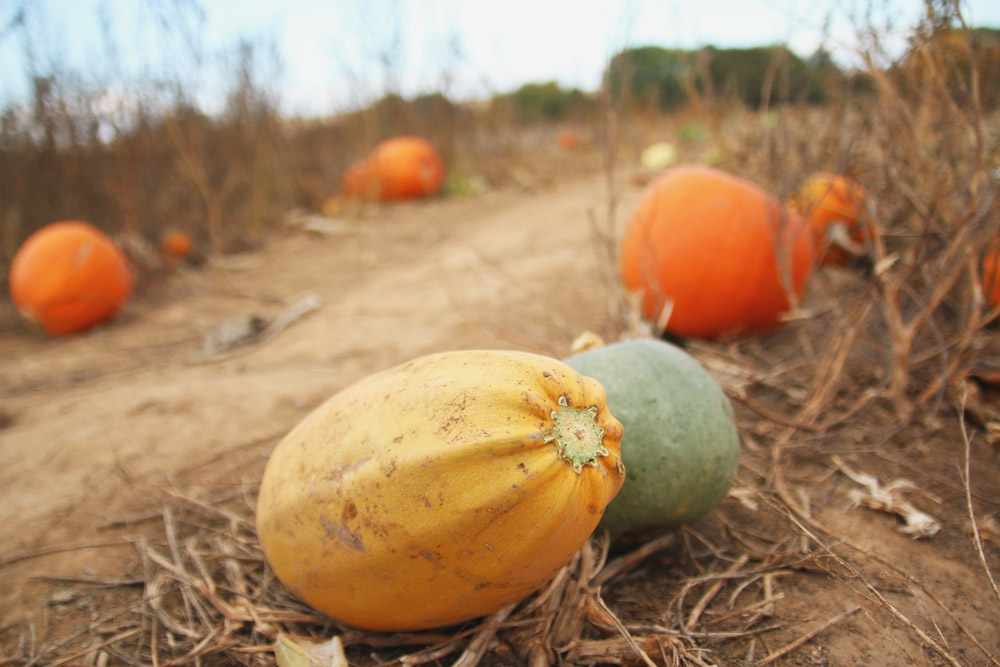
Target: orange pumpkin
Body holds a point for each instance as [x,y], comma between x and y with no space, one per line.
[176,245]
[440,490]
[991,276]
[568,140]
[713,254]
[832,204]
[68,277]
[398,168]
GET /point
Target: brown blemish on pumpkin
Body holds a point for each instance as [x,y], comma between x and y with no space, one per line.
[350,510]
[431,557]
[343,535]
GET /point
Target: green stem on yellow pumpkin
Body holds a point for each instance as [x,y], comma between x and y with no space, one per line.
[576,434]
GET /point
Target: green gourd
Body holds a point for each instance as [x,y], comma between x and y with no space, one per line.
[680,447]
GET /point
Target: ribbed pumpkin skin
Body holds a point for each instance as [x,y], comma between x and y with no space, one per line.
[399,168]
[706,241]
[68,276]
[826,199]
[427,494]
[681,444]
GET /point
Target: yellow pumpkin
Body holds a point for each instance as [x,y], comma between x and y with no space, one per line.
[440,490]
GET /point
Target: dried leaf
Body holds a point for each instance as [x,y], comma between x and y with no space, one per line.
[588,340]
[887,498]
[989,529]
[885,263]
[298,651]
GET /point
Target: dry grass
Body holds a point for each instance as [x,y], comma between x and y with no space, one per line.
[208,597]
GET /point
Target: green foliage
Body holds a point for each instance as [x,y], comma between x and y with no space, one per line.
[650,77]
[762,74]
[546,101]
[694,133]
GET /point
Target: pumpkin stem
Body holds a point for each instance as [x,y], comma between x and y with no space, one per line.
[576,434]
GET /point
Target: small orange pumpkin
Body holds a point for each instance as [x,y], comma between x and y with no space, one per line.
[176,245]
[398,168]
[714,254]
[568,140]
[991,276]
[440,490]
[68,276]
[831,205]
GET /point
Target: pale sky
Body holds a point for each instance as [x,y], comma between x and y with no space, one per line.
[339,53]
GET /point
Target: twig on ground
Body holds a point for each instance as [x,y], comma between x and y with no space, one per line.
[876,595]
[695,614]
[96,647]
[967,482]
[791,646]
[48,551]
[480,642]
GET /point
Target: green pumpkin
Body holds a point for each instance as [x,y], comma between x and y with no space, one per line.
[680,448]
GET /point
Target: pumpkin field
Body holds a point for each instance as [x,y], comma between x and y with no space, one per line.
[862,526]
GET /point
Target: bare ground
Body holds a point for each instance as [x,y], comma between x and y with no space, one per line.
[98,433]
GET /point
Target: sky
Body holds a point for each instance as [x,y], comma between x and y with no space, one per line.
[321,57]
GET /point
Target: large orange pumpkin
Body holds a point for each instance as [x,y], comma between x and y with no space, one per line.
[398,168]
[68,277]
[832,204]
[714,254]
[440,490]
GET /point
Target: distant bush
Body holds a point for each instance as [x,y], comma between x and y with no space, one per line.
[653,77]
[546,101]
[764,74]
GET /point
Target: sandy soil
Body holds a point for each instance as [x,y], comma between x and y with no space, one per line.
[96,430]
